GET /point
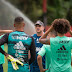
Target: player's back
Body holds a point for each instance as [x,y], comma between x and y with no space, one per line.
[61,54]
[18,45]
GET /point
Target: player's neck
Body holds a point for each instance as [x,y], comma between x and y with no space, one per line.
[61,35]
[19,29]
[40,34]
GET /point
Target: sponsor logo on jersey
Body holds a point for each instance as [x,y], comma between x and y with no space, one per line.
[19,46]
[62,48]
[64,41]
[20,37]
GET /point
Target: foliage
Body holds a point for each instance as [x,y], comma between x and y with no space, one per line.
[55,9]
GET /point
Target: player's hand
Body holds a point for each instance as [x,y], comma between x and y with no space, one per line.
[43,70]
[14,61]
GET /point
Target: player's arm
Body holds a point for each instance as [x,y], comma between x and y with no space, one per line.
[32,52]
[70,32]
[41,53]
[3,40]
[39,59]
[43,38]
[6,31]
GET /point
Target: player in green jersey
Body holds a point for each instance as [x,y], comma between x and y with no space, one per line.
[19,43]
[60,46]
[1,55]
[45,50]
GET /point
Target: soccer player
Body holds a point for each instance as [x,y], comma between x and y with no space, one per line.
[60,46]
[19,43]
[1,55]
[39,26]
[45,50]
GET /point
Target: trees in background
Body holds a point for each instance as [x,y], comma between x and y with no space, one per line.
[55,9]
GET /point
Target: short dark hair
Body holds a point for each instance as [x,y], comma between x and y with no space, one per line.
[18,20]
[61,26]
[53,32]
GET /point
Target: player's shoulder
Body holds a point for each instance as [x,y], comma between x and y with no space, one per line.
[5,35]
[46,46]
[29,36]
[34,35]
[2,35]
[52,38]
[70,38]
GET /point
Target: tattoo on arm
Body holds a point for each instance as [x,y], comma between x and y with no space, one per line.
[45,41]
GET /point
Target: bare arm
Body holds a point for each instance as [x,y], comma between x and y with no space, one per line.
[6,31]
[39,60]
[43,38]
[70,32]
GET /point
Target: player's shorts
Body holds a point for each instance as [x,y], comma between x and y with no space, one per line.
[34,68]
[24,68]
[1,68]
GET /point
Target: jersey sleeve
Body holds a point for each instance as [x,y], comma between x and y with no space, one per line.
[3,40]
[42,51]
[32,51]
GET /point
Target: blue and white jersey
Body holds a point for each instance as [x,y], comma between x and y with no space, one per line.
[38,48]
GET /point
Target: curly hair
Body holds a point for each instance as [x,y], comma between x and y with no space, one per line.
[61,26]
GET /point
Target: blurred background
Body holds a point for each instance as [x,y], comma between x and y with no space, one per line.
[36,9]
[31,11]
[45,10]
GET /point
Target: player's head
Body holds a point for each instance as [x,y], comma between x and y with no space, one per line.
[39,26]
[53,33]
[61,26]
[19,22]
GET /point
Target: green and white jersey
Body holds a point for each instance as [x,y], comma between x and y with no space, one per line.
[1,55]
[61,54]
[19,44]
[45,50]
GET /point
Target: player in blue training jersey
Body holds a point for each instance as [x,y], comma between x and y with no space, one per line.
[39,26]
[19,43]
